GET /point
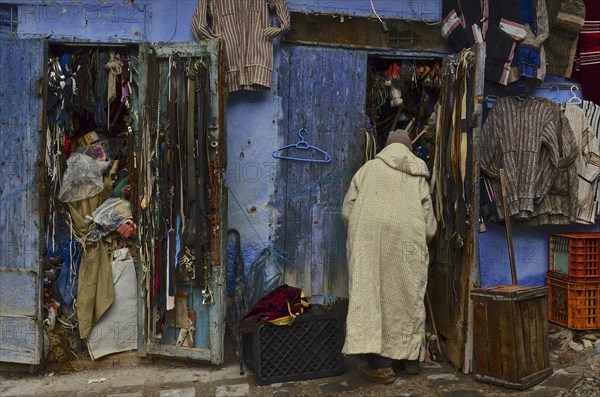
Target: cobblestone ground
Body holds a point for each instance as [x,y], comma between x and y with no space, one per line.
[575,374]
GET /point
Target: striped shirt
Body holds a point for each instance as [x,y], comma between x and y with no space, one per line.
[245,28]
[592,113]
[566,18]
[588,163]
[531,139]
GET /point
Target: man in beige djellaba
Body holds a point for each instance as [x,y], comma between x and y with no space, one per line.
[390,221]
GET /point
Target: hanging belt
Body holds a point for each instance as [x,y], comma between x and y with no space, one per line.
[190,222]
[170,287]
[200,246]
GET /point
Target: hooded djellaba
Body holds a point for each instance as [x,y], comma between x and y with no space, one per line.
[390,221]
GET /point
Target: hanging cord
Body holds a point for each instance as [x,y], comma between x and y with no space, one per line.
[384,27]
[273,249]
[370,146]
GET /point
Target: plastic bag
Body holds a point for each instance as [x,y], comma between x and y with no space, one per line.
[266,274]
[111,214]
[82,179]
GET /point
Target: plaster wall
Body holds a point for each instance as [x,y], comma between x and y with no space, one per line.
[253,117]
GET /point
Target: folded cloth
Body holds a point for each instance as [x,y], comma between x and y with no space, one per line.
[280,306]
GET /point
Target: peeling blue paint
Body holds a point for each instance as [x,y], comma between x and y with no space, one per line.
[421,10]
[253,118]
[20,309]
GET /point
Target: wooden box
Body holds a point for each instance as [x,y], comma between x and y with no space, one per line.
[510,335]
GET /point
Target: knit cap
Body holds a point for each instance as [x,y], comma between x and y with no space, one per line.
[399,136]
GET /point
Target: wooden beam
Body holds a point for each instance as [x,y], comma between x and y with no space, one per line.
[364,32]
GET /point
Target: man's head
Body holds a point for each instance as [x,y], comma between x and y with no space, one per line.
[399,136]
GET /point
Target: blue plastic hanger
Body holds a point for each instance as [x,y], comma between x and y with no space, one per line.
[302,144]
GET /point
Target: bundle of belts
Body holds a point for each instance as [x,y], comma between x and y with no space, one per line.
[180,185]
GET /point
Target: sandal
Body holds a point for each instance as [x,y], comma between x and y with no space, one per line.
[384,376]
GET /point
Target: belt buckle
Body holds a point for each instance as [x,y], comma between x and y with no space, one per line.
[207,297]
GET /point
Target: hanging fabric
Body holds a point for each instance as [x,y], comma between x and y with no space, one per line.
[247,40]
[566,21]
[586,67]
[532,140]
[466,23]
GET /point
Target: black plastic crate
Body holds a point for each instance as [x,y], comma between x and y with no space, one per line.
[309,348]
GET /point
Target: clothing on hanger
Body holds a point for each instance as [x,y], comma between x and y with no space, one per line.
[244,26]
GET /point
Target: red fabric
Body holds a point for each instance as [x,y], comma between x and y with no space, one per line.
[271,306]
[587,58]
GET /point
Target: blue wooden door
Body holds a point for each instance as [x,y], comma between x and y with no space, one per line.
[209,327]
[21,69]
[324,91]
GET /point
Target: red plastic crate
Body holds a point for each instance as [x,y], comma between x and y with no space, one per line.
[574,305]
[575,257]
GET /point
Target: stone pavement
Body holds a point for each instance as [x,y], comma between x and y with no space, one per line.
[133,377]
[576,373]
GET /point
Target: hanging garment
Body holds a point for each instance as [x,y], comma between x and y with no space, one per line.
[530,58]
[531,139]
[497,23]
[586,68]
[245,28]
[95,290]
[588,163]
[116,331]
[592,113]
[566,18]
[559,206]
[389,217]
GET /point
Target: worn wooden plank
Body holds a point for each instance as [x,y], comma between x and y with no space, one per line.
[543,316]
[521,343]
[473,192]
[527,335]
[336,280]
[318,253]
[480,338]
[494,346]
[533,329]
[540,348]
[21,66]
[506,341]
[325,93]
[341,31]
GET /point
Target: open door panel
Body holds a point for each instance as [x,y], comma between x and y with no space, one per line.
[21,65]
[455,188]
[183,210]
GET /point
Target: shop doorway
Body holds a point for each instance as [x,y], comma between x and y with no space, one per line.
[343,100]
[103,159]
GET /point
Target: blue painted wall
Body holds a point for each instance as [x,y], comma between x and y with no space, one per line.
[422,10]
[253,117]
[531,252]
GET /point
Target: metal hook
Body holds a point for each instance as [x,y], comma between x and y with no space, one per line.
[300,134]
